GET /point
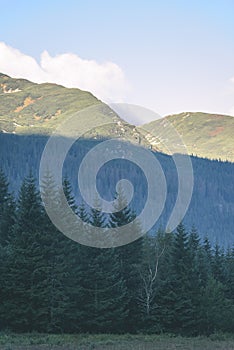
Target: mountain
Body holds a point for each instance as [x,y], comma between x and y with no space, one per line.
[29,113]
[205,135]
[211,208]
[30,108]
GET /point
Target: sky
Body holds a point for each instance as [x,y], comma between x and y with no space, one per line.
[169,56]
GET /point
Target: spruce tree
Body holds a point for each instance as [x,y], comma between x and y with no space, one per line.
[217,264]
[7,210]
[129,257]
[25,259]
[216,310]
[56,260]
[195,277]
[229,274]
[102,289]
[4,289]
[183,309]
[73,314]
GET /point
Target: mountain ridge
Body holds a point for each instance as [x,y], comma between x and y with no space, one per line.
[204,135]
[30,108]
[212,200]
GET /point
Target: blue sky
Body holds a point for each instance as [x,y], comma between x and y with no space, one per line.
[174,55]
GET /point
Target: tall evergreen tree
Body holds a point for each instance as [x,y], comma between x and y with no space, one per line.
[102,289]
[217,264]
[7,210]
[183,308]
[4,290]
[216,310]
[229,274]
[129,257]
[196,277]
[25,258]
[56,259]
[49,283]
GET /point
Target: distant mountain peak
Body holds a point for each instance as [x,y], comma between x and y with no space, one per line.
[30,108]
[205,135]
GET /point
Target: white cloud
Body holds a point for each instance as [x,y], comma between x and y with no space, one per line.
[106,80]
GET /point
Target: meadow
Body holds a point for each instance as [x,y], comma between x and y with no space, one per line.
[114,342]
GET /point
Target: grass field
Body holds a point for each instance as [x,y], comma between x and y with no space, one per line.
[128,342]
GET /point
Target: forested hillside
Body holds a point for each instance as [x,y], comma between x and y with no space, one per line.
[169,282]
[211,208]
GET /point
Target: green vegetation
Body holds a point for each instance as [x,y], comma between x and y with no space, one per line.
[166,283]
[205,135]
[114,342]
[25,105]
[163,283]
[29,108]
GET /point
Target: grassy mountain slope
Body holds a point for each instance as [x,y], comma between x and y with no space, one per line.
[30,108]
[205,135]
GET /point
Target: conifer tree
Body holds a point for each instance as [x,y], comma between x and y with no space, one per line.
[196,277]
[183,309]
[4,289]
[216,310]
[73,257]
[217,264]
[103,291]
[229,274]
[7,210]
[129,257]
[56,258]
[25,259]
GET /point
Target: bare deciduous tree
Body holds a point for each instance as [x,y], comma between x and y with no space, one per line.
[154,249]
